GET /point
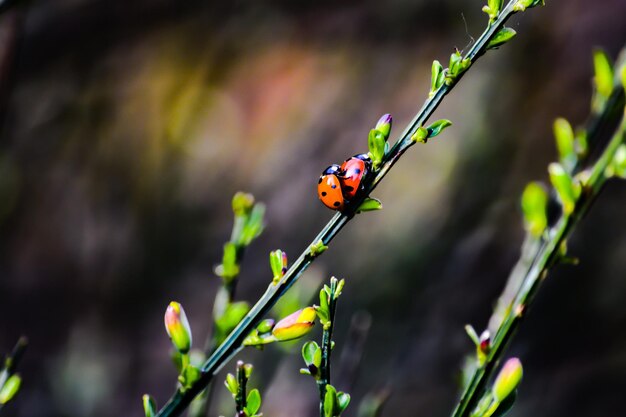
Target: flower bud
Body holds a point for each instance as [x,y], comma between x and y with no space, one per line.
[384,125]
[295,325]
[242,203]
[265,326]
[177,327]
[508,379]
[10,388]
[149,405]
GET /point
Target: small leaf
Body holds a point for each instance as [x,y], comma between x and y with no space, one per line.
[330,402]
[231,384]
[565,143]
[420,135]
[308,351]
[603,70]
[190,375]
[437,77]
[253,402]
[376,144]
[254,226]
[469,329]
[618,165]
[339,289]
[343,399]
[305,371]
[149,405]
[503,36]
[566,189]
[535,208]
[369,204]
[317,357]
[232,316]
[437,127]
[317,248]
[495,5]
[10,388]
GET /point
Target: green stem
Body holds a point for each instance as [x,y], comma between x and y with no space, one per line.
[233,343]
[327,340]
[240,398]
[546,256]
[11,361]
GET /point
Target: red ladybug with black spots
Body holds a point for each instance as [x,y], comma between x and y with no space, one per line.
[353,171]
[329,188]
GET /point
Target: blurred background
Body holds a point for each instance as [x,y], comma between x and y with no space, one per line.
[126,127]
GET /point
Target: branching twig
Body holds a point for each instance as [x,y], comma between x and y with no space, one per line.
[538,256]
[233,343]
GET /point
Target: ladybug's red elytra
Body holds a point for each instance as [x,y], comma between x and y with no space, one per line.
[353,170]
[329,188]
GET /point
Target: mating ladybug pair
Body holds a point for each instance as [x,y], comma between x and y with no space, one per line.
[339,184]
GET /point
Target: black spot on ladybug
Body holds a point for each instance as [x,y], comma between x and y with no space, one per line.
[336,204]
[333,186]
[323,193]
[349,188]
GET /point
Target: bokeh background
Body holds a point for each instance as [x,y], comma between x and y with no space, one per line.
[127,126]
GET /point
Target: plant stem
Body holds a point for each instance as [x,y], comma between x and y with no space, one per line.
[240,398]
[233,343]
[327,340]
[11,361]
[547,255]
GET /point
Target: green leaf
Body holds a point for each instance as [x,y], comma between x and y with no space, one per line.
[437,127]
[10,388]
[253,402]
[369,204]
[469,329]
[495,5]
[437,77]
[376,144]
[567,191]
[534,207]
[254,226]
[231,384]
[232,316]
[618,165]
[229,269]
[339,289]
[317,357]
[330,402]
[308,351]
[317,248]
[149,405]
[420,135]
[603,70]
[189,375]
[565,143]
[503,36]
[343,399]
[278,264]
[455,64]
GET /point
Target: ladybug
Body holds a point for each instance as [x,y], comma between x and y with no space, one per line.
[353,170]
[329,188]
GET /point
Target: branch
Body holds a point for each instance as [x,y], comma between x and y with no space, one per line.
[233,343]
[541,254]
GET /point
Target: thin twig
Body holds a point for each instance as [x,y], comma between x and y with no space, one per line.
[233,343]
[548,252]
[327,340]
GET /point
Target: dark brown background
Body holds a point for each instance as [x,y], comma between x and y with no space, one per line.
[128,125]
